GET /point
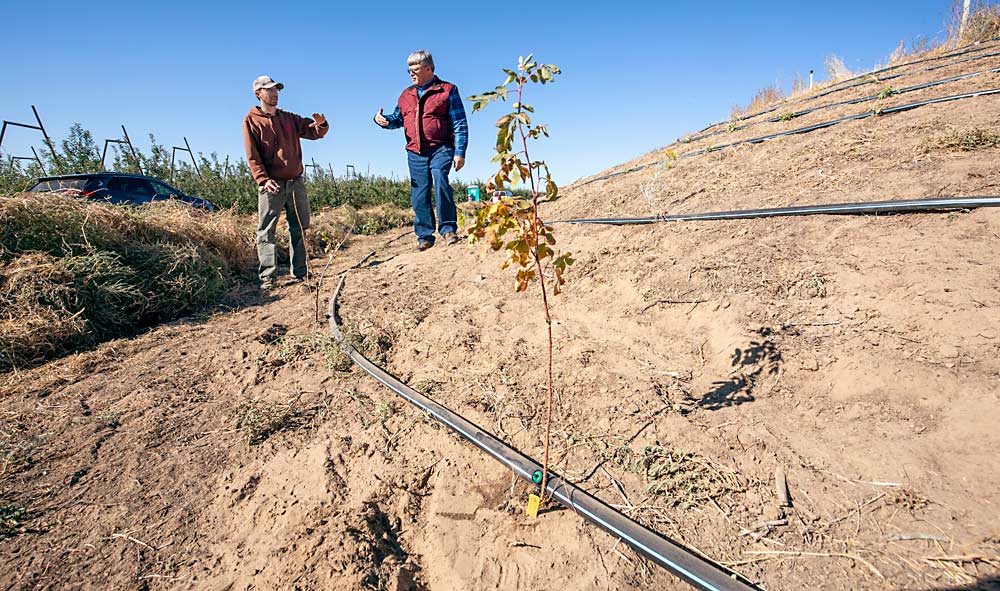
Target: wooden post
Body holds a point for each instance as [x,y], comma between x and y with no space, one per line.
[965,19]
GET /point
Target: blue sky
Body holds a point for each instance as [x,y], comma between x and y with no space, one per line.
[635,75]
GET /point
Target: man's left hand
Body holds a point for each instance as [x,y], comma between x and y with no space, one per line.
[459,163]
[319,120]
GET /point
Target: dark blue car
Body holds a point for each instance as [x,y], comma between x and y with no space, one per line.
[116,188]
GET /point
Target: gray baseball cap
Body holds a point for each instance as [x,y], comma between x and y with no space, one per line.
[262,82]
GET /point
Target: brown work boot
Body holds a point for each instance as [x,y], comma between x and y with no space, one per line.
[450,238]
[423,245]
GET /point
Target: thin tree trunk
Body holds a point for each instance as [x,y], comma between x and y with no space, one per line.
[965,19]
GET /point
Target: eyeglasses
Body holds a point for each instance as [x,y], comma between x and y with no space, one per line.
[415,69]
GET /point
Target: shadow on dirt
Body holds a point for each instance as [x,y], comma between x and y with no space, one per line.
[984,584]
[389,565]
[761,357]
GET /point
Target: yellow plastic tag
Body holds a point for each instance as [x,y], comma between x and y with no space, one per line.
[534,501]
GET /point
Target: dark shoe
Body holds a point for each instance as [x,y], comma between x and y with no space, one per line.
[267,284]
[423,245]
[450,238]
[306,277]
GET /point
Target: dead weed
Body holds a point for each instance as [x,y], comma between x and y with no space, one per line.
[966,140]
[682,479]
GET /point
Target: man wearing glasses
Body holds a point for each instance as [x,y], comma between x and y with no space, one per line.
[437,134]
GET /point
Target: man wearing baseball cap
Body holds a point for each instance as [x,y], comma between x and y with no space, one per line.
[271,138]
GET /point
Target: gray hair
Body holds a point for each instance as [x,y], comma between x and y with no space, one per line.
[420,57]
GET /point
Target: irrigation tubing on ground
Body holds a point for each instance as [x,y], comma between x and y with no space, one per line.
[867,77]
[689,566]
[864,80]
[807,129]
[885,94]
[871,207]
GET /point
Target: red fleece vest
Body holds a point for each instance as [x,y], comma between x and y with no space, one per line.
[426,121]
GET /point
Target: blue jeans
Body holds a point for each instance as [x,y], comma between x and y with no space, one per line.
[425,168]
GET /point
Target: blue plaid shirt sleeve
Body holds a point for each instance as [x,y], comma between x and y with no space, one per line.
[395,119]
[459,124]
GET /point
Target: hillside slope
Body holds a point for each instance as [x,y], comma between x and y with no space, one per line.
[860,354]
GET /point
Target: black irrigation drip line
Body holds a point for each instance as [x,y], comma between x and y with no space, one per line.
[872,207]
[869,77]
[886,93]
[807,129]
[866,79]
[970,48]
[689,566]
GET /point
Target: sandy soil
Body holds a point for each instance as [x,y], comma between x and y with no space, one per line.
[861,355]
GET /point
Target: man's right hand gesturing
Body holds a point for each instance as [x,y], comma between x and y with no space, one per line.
[271,186]
[380,119]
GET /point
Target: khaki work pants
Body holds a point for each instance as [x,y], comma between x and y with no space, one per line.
[291,197]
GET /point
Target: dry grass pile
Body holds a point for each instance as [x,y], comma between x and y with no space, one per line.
[974,138]
[836,69]
[74,273]
[765,97]
[681,479]
[256,420]
[982,24]
[331,227]
[289,348]
[335,222]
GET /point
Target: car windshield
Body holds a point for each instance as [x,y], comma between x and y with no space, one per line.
[58,185]
[164,190]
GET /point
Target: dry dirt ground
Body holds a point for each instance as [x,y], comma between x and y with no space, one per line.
[861,355]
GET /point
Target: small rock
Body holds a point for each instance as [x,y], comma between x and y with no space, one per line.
[774,513]
[949,351]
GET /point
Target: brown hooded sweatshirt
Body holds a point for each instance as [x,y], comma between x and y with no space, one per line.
[272,143]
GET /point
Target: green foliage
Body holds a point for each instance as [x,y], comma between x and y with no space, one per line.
[12,519]
[514,170]
[227,184]
[530,244]
[79,153]
[513,224]
[886,92]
